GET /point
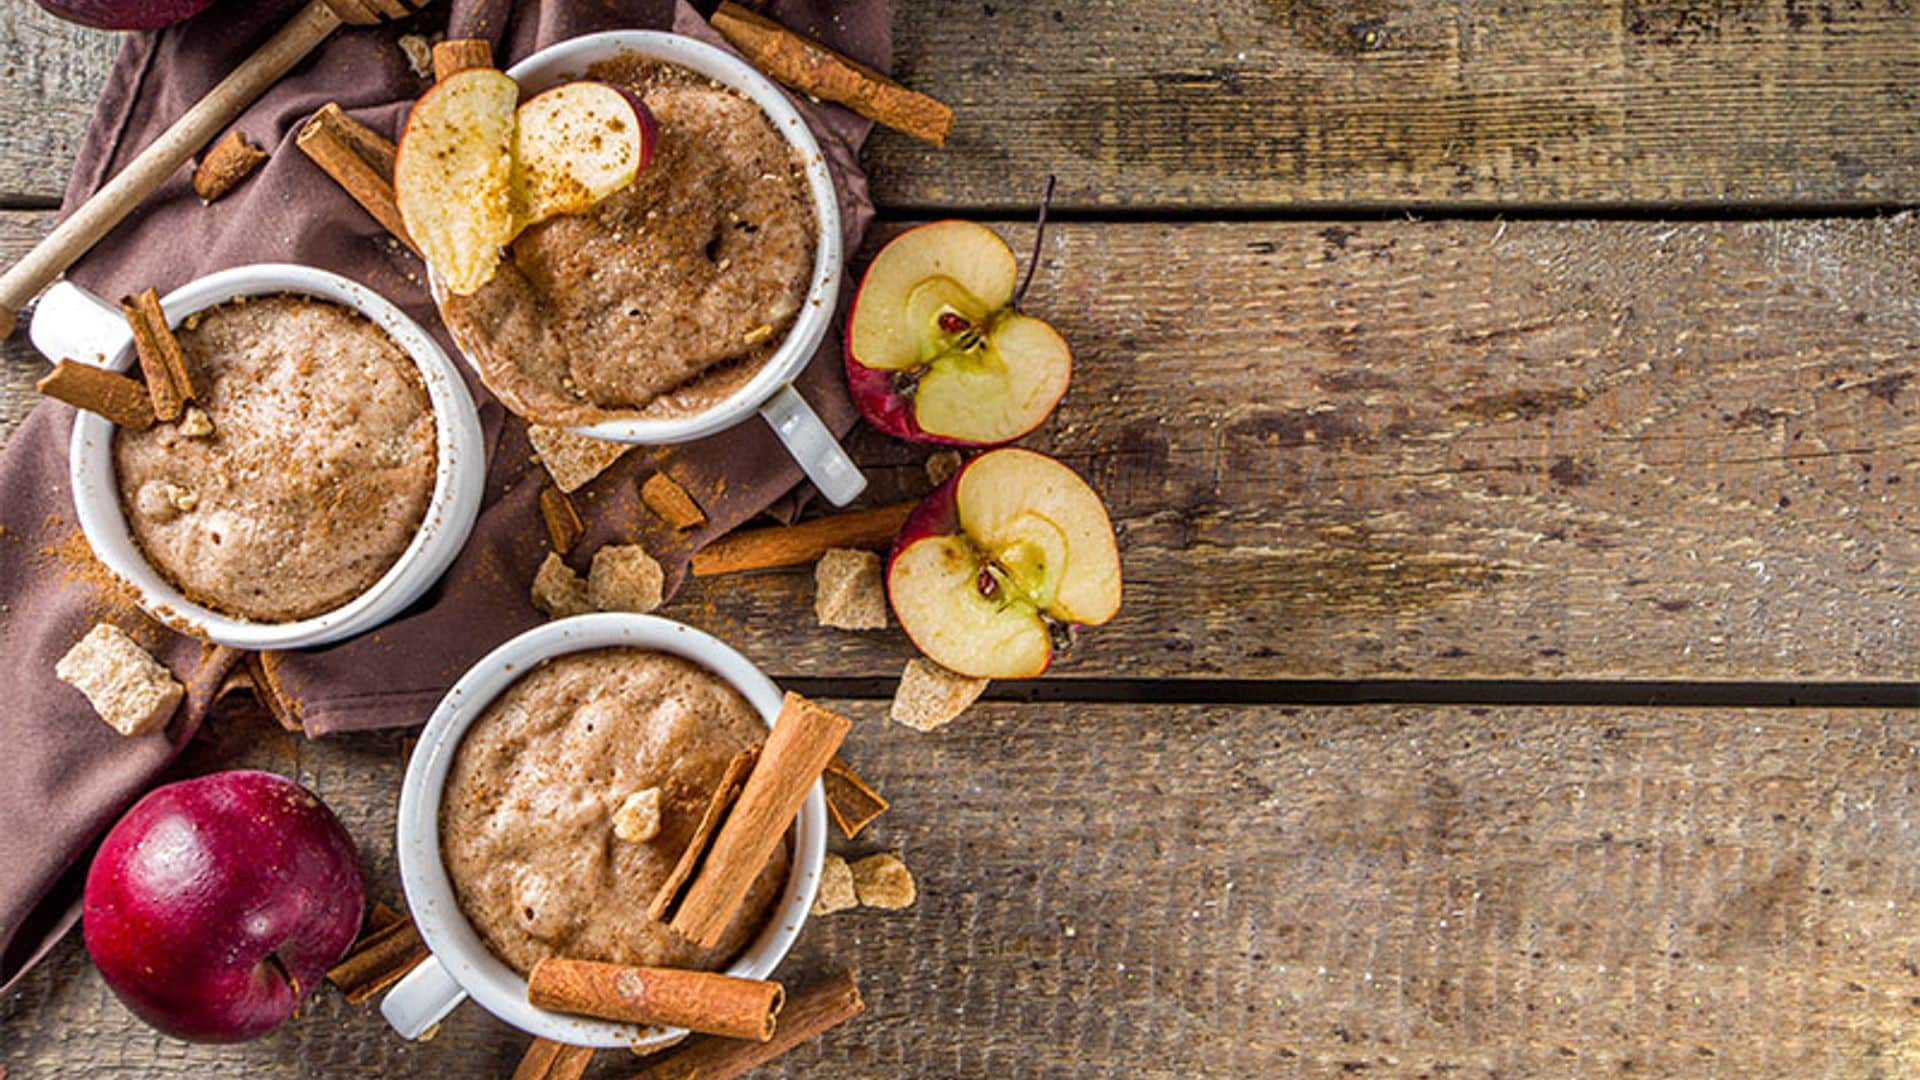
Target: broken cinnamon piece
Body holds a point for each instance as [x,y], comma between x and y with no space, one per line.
[852,801]
[703,1001]
[725,794]
[796,752]
[459,54]
[563,521]
[797,545]
[359,160]
[883,881]
[817,71]
[134,693]
[378,960]
[671,502]
[224,166]
[549,1060]
[380,916]
[850,591]
[836,892]
[824,1005]
[161,360]
[571,459]
[263,668]
[97,390]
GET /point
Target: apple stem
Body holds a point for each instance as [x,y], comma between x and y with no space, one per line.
[1039,233]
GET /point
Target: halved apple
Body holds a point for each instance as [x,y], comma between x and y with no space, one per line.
[1012,550]
[935,351]
[576,144]
[452,175]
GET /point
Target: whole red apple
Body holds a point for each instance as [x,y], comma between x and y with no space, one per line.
[216,904]
[126,14]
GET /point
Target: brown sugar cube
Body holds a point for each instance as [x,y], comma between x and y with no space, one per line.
[572,459]
[942,466]
[848,591]
[624,577]
[671,502]
[558,591]
[638,819]
[130,690]
[836,887]
[930,696]
[883,881]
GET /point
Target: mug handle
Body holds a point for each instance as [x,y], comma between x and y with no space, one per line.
[813,446]
[422,999]
[70,323]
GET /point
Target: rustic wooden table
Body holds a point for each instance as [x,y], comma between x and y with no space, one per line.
[1506,412]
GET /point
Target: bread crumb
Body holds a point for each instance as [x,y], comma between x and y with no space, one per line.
[130,690]
[558,591]
[836,887]
[638,819]
[942,466]
[930,696]
[848,590]
[571,459]
[883,881]
[625,578]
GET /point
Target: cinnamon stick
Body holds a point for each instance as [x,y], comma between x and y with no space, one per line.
[451,57]
[224,166]
[564,528]
[820,72]
[718,804]
[549,1060]
[671,502]
[109,393]
[811,1011]
[702,1001]
[161,360]
[378,960]
[852,801]
[803,740]
[359,160]
[797,545]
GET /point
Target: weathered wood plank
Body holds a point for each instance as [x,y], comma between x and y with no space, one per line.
[1281,102]
[1210,891]
[1468,449]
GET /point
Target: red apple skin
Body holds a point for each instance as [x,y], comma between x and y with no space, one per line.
[205,880]
[126,14]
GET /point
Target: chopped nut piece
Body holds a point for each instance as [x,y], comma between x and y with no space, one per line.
[130,690]
[836,887]
[758,334]
[931,696]
[942,466]
[882,881]
[671,502]
[154,501]
[848,590]
[558,591]
[638,819]
[224,166]
[195,423]
[625,578]
[183,499]
[573,459]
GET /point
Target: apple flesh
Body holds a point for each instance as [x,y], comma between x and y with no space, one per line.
[453,175]
[935,350]
[1010,551]
[126,14]
[217,904]
[576,144]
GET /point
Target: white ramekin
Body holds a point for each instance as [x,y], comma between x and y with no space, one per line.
[770,393]
[70,323]
[461,965]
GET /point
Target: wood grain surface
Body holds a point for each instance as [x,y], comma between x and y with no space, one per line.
[1600,450]
[1278,103]
[1208,891]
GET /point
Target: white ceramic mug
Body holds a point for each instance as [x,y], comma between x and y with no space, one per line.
[461,965]
[770,392]
[70,323]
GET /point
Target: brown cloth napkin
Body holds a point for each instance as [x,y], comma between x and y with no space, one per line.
[66,774]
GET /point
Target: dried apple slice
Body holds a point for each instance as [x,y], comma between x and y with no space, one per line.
[452,176]
[576,144]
